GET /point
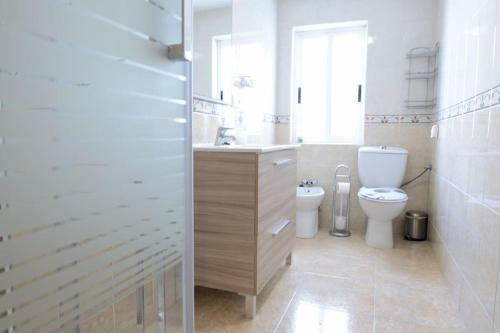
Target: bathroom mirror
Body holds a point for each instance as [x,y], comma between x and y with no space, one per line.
[213,54]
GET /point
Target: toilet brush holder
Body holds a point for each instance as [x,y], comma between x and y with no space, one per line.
[341,201]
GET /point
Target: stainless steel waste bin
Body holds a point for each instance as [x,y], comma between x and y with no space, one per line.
[416,225]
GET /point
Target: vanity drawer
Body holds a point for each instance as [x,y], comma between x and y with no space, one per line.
[224,192]
[273,246]
[276,163]
[225,261]
[276,187]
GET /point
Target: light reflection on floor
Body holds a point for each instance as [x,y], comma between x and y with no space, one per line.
[310,317]
[338,286]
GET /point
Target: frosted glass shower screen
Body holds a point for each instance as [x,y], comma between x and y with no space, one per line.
[94,156]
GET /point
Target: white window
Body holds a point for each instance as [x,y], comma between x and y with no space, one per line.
[328,83]
[222,67]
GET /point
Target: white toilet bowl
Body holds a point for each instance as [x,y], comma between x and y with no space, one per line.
[381,205]
[308,201]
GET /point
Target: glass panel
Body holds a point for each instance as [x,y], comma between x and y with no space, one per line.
[174,299]
[212,26]
[94,132]
[248,92]
[347,75]
[314,88]
[223,67]
[254,41]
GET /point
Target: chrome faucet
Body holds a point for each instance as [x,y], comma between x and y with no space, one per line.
[308,182]
[223,138]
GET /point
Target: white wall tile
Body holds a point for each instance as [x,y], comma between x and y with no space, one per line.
[319,162]
[465,189]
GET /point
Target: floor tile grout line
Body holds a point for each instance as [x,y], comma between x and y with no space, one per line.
[374,307]
[495,303]
[329,276]
[288,302]
[285,311]
[464,192]
[464,278]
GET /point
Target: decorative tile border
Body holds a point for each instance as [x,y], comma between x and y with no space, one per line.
[276,118]
[270,118]
[208,107]
[282,119]
[369,119]
[399,118]
[479,102]
[377,119]
[205,106]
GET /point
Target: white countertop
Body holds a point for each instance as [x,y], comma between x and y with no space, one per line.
[250,148]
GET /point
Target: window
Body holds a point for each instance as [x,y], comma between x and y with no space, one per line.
[248,84]
[329,78]
[222,67]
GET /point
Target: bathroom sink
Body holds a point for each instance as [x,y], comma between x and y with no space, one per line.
[247,148]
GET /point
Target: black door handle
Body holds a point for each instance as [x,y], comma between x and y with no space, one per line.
[360,88]
[299,95]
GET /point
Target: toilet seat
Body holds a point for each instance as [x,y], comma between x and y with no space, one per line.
[383,194]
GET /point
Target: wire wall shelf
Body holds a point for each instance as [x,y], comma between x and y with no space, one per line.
[421,77]
[422,52]
[424,104]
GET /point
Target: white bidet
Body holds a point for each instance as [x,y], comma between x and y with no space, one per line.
[308,201]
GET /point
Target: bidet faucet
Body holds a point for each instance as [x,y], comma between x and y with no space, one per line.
[222,138]
[309,182]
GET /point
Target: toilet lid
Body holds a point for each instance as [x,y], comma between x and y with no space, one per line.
[383,194]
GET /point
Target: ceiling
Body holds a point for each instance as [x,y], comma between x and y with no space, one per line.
[201,5]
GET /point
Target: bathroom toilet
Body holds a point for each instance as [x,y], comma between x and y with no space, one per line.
[308,201]
[381,171]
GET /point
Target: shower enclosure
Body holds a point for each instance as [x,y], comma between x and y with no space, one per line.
[95,166]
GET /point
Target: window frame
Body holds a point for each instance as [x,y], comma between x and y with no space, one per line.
[217,43]
[325,30]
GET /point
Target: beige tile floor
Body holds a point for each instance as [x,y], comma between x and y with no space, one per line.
[341,285]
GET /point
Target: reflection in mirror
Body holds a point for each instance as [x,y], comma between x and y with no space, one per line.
[213,53]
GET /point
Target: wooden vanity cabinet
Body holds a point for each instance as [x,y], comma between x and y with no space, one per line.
[244,219]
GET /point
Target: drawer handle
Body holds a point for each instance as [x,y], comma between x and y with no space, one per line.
[282,162]
[280,227]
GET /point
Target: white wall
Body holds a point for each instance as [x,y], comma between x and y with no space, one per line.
[465,188]
[395,25]
[255,22]
[469,60]
[207,24]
